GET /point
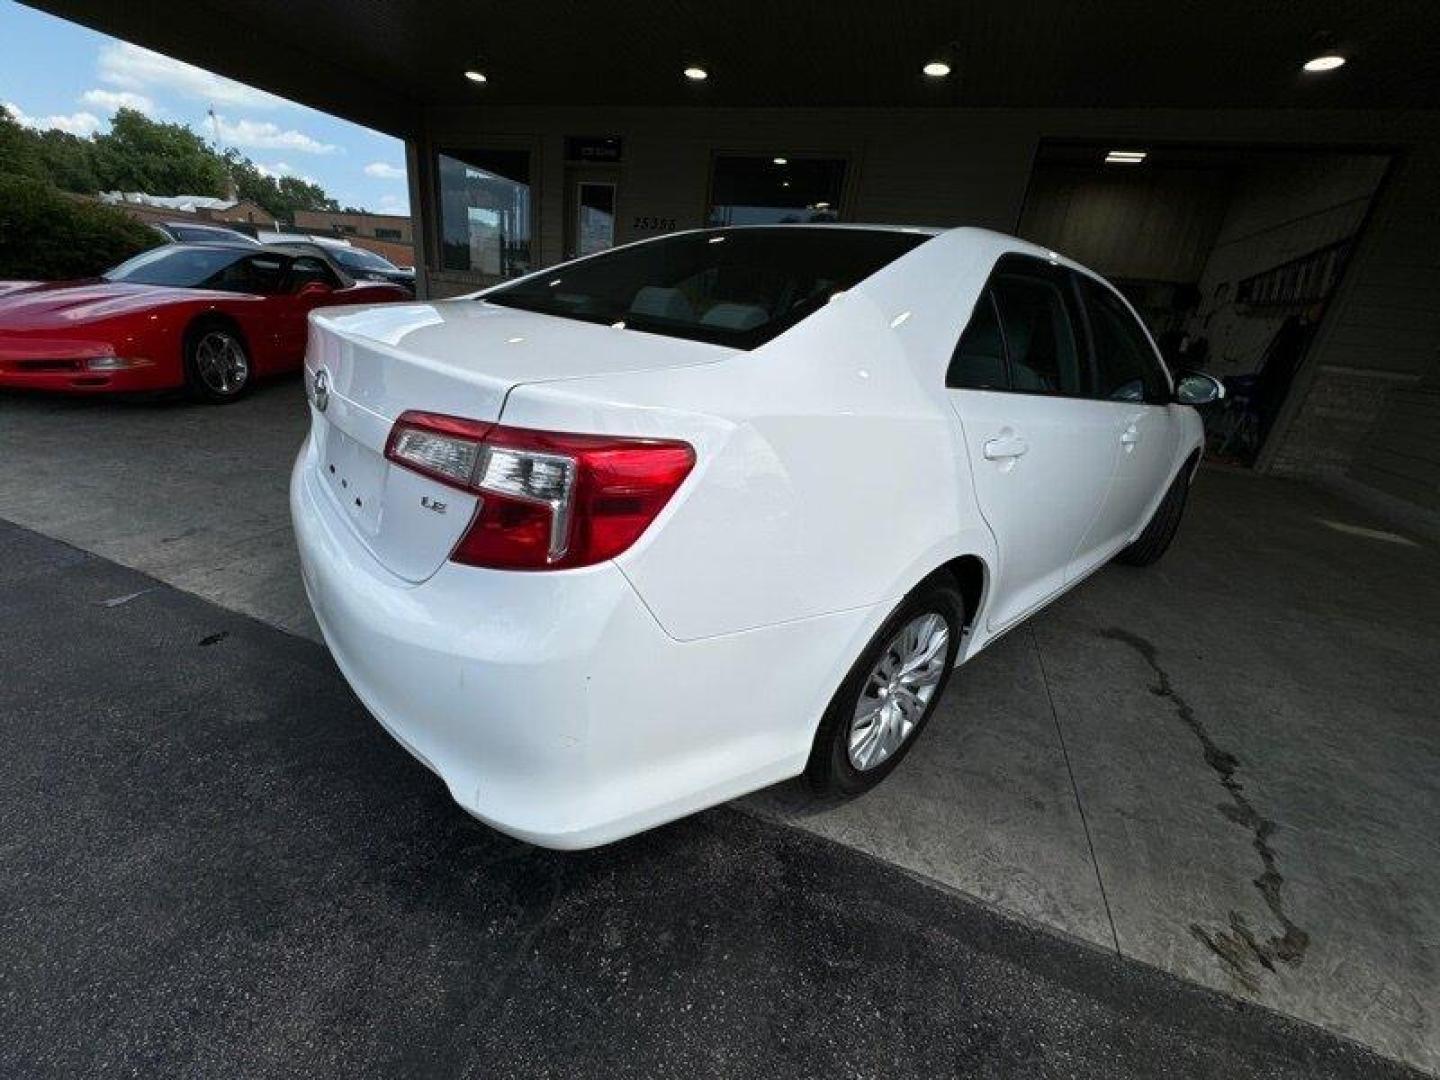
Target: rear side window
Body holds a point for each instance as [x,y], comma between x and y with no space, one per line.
[308,268]
[979,359]
[737,287]
[1126,368]
[1039,336]
[1024,334]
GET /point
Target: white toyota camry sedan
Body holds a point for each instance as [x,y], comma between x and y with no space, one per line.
[643,532]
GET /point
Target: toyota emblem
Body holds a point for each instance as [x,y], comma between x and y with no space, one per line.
[322,389]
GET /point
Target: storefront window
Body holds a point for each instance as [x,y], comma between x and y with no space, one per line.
[485,211]
[775,190]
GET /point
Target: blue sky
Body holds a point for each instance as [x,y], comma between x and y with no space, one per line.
[56,74]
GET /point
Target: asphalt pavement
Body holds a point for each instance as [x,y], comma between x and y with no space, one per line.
[214,863]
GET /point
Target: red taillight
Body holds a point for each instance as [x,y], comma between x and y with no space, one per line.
[548,500]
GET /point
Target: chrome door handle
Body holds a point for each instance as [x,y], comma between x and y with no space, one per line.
[1005,446]
[1131,436]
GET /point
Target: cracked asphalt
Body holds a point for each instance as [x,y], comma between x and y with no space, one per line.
[216,864]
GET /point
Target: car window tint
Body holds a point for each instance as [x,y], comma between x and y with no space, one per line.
[1126,368]
[978,362]
[1039,335]
[308,268]
[176,265]
[260,274]
[188,233]
[738,287]
[360,259]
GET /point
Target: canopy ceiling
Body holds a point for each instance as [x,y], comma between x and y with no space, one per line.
[381,62]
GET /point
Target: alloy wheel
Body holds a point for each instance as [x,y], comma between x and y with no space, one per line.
[221,363]
[898,690]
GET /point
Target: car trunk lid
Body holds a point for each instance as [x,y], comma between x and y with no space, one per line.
[457,358]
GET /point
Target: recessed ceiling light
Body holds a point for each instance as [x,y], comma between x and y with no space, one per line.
[1325,62]
[936,69]
[475,76]
[1125,157]
[782,161]
[696,74]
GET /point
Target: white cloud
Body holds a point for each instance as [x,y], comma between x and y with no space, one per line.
[383,170]
[263,135]
[132,68]
[393,204]
[83,124]
[111,100]
[281,168]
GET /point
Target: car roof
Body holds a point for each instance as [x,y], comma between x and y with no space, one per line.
[232,245]
[297,247]
[206,225]
[820,226]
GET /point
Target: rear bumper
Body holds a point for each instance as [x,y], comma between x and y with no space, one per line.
[553,705]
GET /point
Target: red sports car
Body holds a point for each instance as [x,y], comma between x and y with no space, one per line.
[210,318]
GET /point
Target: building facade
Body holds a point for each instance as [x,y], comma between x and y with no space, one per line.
[532,138]
[392,228]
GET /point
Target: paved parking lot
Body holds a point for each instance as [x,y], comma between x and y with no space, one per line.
[217,865]
[1226,767]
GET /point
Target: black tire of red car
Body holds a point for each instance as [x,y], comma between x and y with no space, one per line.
[831,769]
[217,363]
[1164,524]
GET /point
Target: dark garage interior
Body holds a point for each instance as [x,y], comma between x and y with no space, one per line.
[1231,254]
[1181,823]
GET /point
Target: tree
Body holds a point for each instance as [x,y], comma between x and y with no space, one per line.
[18,156]
[281,196]
[303,195]
[46,234]
[139,154]
[68,161]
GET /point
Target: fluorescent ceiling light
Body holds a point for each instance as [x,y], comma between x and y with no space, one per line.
[782,161]
[1326,62]
[696,74]
[475,76]
[1125,157]
[936,69]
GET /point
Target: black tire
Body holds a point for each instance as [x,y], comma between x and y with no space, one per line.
[831,769]
[1164,524]
[217,363]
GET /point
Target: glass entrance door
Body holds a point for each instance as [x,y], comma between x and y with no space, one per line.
[592,217]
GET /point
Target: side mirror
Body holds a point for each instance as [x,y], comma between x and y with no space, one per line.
[1197,388]
[314,288]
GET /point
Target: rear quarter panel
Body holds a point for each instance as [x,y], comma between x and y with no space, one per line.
[829,473]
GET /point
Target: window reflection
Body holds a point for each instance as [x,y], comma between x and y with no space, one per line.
[485,211]
[596,224]
[775,190]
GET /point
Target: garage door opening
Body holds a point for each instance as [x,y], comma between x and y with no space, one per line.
[1232,256]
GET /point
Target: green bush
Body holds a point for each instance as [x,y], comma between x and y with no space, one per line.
[46,235]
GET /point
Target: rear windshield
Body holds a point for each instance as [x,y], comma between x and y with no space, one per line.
[737,287]
[360,259]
